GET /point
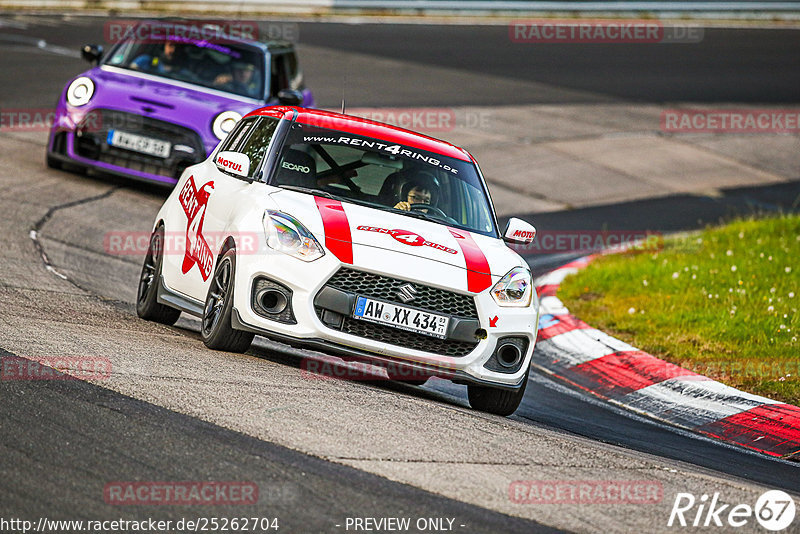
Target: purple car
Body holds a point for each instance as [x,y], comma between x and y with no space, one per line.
[154,106]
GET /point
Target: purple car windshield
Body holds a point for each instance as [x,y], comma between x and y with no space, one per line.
[221,65]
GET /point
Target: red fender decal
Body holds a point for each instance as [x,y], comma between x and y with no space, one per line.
[337,228]
[194,201]
[479,276]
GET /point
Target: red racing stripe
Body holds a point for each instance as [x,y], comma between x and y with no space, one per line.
[479,276]
[621,373]
[337,228]
[770,428]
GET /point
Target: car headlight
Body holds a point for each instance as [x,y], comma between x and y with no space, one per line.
[224,123]
[514,289]
[80,91]
[286,234]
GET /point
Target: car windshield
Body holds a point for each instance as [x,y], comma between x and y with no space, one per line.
[223,65]
[385,175]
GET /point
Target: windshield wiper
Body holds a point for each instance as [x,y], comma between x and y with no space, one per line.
[321,193]
[301,189]
[416,214]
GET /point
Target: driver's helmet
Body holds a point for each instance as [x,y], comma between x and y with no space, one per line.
[421,180]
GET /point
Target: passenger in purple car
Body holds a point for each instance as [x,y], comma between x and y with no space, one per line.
[241,80]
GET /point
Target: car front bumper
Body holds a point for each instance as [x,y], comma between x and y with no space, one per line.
[80,139]
[476,362]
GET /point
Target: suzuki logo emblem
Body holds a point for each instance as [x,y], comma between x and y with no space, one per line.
[407,293]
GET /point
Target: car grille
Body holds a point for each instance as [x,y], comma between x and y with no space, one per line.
[383,287]
[411,340]
[93,131]
[428,298]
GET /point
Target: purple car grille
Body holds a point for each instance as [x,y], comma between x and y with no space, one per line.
[91,142]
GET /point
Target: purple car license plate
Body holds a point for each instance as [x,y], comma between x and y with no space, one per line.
[139,143]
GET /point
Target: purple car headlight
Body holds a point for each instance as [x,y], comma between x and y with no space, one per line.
[80,91]
[224,123]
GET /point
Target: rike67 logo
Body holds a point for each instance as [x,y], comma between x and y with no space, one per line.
[194,203]
[774,510]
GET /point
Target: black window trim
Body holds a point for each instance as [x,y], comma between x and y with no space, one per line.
[226,145]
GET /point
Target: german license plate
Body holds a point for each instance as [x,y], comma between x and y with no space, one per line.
[402,317]
[139,143]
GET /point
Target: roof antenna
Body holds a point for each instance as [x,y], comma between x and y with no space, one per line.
[343,85]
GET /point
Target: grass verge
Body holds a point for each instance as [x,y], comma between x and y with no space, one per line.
[722,303]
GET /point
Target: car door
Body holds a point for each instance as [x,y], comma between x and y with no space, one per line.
[210,199]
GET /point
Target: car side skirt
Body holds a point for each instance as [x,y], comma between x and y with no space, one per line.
[176,300]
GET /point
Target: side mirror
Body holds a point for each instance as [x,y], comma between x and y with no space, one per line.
[233,162]
[518,232]
[290,97]
[92,53]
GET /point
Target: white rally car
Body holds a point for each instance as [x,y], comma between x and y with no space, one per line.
[357,238]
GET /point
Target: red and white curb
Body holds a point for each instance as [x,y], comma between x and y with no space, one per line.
[573,351]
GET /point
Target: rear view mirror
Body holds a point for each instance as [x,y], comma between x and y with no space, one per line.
[519,232]
[233,162]
[92,53]
[384,161]
[290,97]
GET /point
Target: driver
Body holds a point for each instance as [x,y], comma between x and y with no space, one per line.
[170,60]
[420,189]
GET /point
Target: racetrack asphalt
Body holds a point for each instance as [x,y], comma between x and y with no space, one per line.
[167,389]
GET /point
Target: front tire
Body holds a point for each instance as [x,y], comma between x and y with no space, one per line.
[216,329]
[147,305]
[497,401]
[53,162]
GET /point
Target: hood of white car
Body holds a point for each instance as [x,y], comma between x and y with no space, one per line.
[366,233]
